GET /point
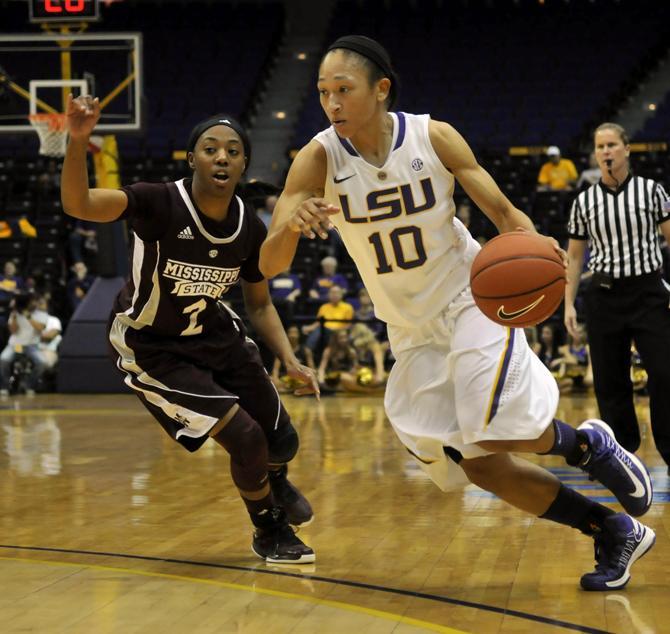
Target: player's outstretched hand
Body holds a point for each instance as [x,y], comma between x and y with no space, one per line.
[312,218]
[305,375]
[554,245]
[82,114]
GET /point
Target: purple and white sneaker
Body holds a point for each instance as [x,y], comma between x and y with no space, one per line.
[621,543]
[622,472]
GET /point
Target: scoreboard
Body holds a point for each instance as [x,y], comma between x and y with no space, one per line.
[64,10]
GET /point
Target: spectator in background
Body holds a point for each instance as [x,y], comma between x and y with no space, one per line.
[79,284]
[329,277]
[366,313]
[282,381]
[10,285]
[285,289]
[26,324]
[37,283]
[574,364]
[265,212]
[590,176]
[48,182]
[334,309]
[548,351]
[339,357]
[51,336]
[368,374]
[557,174]
[10,282]
[83,237]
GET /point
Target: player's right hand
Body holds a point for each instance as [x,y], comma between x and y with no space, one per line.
[312,218]
[306,376]
[82,114]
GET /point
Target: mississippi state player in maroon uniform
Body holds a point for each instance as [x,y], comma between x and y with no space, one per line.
[183,352]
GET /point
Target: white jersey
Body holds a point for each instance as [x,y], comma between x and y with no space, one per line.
[398,223]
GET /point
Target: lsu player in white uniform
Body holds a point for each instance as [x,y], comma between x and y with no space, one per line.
[463,388]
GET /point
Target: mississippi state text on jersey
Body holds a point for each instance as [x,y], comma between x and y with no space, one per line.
[183,263]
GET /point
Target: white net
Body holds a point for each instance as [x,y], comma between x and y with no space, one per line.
[52,130]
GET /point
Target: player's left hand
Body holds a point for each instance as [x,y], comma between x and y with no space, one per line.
[83,114]
[307,376]
[554,244]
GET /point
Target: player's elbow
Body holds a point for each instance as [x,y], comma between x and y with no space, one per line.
[267,270]
[73,207]
[268,264]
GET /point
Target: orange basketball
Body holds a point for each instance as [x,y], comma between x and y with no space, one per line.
[518,279]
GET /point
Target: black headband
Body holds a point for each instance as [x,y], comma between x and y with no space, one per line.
[366,47]
[220,119]
[372,50]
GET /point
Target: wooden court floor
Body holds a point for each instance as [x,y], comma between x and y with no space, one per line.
[107,526]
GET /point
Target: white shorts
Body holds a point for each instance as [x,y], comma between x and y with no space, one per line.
[461,379]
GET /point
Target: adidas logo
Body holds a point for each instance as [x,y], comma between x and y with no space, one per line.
[186,234]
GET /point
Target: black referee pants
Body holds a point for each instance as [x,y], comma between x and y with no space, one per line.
[634,309]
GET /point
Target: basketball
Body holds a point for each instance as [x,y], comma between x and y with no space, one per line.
[517,279]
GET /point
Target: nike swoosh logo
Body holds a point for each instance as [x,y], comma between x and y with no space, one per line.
[639,488]
[505,316]
[341,180]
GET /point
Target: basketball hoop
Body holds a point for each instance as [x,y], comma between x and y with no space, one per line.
[52,130]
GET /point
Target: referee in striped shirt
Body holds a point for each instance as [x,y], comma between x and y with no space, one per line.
[627,299]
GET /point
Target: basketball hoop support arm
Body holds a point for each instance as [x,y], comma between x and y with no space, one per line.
[26,95]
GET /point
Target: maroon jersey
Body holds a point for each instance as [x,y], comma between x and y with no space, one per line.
[182,261]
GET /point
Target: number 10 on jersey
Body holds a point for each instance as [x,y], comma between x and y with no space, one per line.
[402,241]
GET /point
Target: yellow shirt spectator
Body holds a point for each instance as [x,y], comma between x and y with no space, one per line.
[557,173]
[341,310]
[558,176]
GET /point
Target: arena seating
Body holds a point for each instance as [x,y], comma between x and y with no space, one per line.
[537,80]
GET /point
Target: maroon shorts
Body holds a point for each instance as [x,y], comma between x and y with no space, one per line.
[189,383]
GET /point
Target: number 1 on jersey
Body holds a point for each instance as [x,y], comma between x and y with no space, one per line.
[193,327]
[398,250]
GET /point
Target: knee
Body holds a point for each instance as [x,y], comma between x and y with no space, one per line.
[251,442]
[283,443]
[243,439]
[484,471]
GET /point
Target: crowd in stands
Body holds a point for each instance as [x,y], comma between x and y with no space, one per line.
[49,263]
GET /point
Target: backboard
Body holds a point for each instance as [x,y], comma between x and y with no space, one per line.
[38,71]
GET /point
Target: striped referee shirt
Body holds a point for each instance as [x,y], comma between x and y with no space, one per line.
[621,226]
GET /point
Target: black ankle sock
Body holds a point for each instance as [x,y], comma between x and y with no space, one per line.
[268,518]
[573,509]
[568,442]
[256,507]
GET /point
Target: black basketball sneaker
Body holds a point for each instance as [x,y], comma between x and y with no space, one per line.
[276,542]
